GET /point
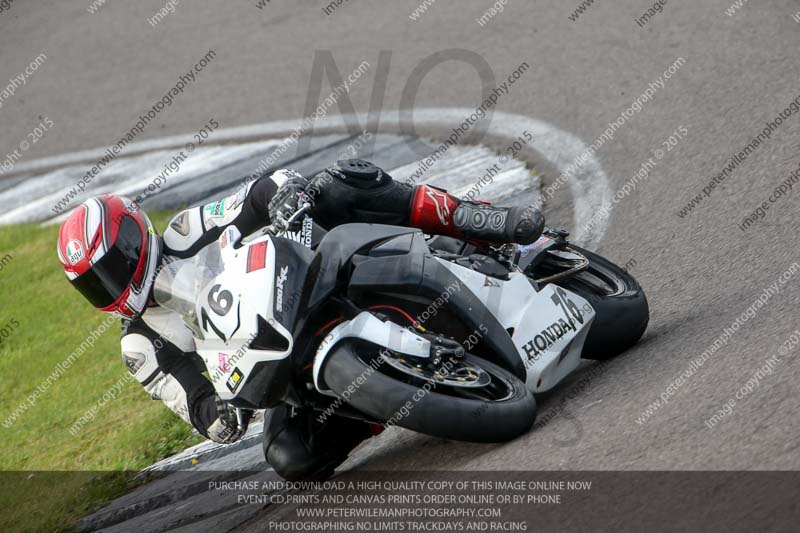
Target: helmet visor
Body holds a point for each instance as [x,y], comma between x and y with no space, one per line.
[108,278]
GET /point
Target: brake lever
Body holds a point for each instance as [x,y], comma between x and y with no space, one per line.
[304,208]
[278,228]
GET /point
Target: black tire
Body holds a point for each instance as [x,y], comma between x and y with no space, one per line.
[619,301]
[383,396]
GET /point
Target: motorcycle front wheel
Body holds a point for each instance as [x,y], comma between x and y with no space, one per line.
[465,398]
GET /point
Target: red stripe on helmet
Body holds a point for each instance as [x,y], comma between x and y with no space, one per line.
[74,249]
[120,305]
[78,251]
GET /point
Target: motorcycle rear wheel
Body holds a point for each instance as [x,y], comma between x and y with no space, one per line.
[621,308]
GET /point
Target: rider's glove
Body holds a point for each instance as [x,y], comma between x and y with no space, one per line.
[231,423]
[286,200]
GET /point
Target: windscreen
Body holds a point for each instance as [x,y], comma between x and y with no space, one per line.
[180,281]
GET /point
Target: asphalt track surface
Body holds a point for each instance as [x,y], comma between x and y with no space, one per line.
[700,271]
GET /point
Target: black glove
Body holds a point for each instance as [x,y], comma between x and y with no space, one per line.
[287,198]
[231,423]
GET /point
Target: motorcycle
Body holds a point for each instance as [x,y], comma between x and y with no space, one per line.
[384,324]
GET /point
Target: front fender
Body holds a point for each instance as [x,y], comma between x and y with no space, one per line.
[369,328]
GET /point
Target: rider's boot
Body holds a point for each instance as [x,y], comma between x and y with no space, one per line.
[298,446]
[437,212]
[355,190]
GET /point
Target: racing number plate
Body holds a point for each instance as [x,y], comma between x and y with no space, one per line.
[218,311]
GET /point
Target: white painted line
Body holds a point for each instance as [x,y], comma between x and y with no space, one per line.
[589,186]
[461,167]
[32,199]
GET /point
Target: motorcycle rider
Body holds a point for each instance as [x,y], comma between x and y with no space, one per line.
[111,253]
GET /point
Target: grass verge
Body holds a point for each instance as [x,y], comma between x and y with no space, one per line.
[42,321]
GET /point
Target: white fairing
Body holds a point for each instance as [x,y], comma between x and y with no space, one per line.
[545,324]
[220,293]
[366,326]
[549,326]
